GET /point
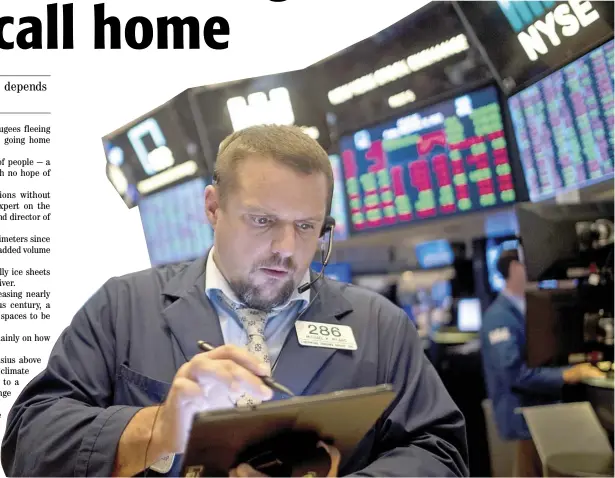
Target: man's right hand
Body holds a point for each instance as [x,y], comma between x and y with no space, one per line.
[582,371]
[210,381]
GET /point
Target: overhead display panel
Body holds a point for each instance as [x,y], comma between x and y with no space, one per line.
[411,62]
[157,151]
[440,161]
[526,39]
[564,126]
[290,98]
[175,224]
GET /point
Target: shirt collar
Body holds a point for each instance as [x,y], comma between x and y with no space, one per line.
[215,283]
[518,302]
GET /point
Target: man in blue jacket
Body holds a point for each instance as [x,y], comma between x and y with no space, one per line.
[511,384]
[125,379]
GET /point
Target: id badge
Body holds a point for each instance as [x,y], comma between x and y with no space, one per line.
[331,336]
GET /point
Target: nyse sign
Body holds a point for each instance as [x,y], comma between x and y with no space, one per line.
[274,107]
[535,35]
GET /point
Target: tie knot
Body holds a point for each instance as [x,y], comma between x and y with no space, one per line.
[253,320]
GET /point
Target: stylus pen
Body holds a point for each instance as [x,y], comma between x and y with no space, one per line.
[204,346]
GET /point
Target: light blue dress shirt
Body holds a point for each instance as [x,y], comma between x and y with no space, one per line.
[518,302]
[278,326]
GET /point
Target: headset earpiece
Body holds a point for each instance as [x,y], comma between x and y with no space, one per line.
[328,226]
[326,248]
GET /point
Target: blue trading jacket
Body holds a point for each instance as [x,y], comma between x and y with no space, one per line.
[511,384]
[125,345]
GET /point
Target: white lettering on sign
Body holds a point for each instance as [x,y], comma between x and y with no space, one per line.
[463,106]
[399,69]
[570,17]
[161,157]
[260,108]
[411,124]
[402,99]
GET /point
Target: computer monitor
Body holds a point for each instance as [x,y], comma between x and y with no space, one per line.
[548,235]
[469,314]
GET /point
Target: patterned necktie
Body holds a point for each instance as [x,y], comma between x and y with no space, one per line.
[254,322]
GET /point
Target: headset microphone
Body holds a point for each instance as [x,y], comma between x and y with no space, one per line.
[328,226]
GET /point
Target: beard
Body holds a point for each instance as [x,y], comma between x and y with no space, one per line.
[253,296]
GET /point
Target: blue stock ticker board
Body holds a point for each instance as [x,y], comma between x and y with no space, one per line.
[564,126]
[443,160]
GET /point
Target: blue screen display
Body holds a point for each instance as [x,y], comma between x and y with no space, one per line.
[175,225]
[493,250]
[564,126]
[434,254]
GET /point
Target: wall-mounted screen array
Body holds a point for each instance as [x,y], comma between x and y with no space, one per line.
[564,126]
[442,160]
[175,225]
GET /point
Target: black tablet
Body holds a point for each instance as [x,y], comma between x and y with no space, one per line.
[221,440]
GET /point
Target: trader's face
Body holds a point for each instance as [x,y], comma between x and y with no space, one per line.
[267,229]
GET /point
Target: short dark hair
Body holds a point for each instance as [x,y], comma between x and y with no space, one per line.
[506,259]
[288,145]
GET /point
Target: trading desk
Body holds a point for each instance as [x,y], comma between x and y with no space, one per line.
[599,392]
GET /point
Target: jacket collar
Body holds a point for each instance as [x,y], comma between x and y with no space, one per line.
[186,280]
[190,317]
[191,280]
[508,304]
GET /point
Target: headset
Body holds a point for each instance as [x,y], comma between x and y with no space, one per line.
[328,226]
